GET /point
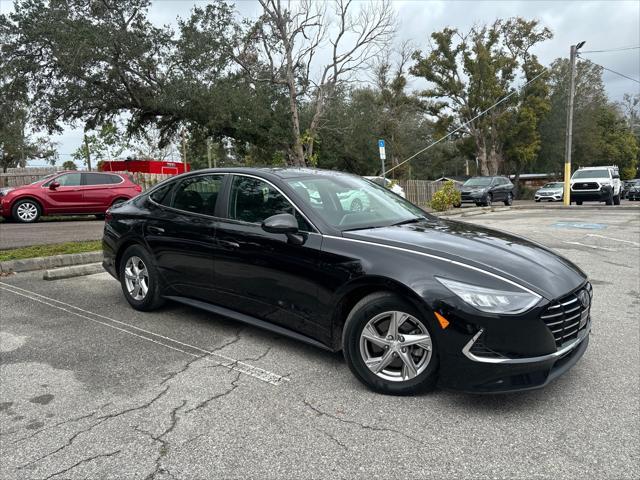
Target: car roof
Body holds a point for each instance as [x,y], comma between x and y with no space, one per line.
[283,173]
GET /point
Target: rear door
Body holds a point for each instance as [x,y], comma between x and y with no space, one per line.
[180,232]
[98,190]
[67,196]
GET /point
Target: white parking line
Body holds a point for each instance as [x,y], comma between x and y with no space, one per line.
[590,246]
[614,239]
[230,363]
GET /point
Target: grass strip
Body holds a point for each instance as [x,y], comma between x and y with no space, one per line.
[49,250]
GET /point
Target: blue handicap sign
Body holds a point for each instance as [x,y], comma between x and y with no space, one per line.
[584,226]
[380,143]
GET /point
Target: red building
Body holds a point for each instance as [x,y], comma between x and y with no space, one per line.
[144,166]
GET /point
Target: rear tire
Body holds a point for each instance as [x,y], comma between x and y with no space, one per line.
[140,279]
[405,357]
[26,211]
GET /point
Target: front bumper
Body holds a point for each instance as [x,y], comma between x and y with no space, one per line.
[591,195]
[500,355]
[552,197]
[473,197]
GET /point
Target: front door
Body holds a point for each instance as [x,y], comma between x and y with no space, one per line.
[265,275]
[66,194]
[180,232]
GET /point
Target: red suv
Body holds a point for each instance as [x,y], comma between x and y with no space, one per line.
[66,193]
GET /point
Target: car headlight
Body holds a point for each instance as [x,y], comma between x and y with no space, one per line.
[492,300]
[5,190]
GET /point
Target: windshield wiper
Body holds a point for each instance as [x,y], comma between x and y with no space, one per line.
[410,220]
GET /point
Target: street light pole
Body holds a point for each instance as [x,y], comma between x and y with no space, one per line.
[569,135]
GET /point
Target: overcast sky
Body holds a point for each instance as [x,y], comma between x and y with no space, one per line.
[602,24]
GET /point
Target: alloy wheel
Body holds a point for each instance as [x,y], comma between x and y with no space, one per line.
[396,346]
[136,278]
[27,212]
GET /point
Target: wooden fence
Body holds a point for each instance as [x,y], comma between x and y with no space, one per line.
[420,192]
[416,191]
[15,177]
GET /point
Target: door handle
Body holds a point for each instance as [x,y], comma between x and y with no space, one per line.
[153,229]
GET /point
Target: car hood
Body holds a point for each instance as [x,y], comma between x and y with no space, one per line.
[515,258]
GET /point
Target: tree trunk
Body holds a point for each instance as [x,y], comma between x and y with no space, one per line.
[493,161]
[481,155]
[86,146]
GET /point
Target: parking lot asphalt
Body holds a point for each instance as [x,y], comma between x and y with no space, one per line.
[93,389]
[15,235]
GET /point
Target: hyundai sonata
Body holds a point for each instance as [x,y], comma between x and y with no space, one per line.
[412,301]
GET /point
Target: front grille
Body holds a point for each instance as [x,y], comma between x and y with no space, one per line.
[585,186]
[568,315]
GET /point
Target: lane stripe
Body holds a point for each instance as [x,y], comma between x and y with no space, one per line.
[614,239]
[231,363]
[595,247]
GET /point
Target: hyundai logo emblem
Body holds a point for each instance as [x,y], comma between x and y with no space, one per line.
[584,298]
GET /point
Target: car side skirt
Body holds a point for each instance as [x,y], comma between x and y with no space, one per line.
[241,317]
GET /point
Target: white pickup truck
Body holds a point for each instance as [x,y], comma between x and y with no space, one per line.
[600,184]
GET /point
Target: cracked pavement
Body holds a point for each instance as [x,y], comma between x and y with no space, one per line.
[107,392]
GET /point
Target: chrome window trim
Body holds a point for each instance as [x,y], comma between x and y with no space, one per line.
[444,259]
[317,230]
[543,358]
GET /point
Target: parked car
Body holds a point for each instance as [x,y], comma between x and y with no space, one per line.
[600,184]
[390,184]
[66,193]
[552,192]
[486,190]
[626,186]
[634,191]
[412,300]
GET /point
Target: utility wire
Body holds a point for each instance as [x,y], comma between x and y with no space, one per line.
[466,123]
[621,49]
[612,71]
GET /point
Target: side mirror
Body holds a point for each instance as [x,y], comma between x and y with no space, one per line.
[53,185]
[282,223]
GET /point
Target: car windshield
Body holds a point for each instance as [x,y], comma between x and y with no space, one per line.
[553,185]
[478,182]
[353,203]
[41,179]
[591,174]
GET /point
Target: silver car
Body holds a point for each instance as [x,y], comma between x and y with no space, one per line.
[551,191]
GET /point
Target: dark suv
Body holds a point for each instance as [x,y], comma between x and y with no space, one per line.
[486,190]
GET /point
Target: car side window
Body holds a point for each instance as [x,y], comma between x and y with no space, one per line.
[96,179]
[162,195]
[198,194]
[69,180]
[254,201]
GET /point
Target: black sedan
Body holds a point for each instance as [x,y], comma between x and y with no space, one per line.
[412,300]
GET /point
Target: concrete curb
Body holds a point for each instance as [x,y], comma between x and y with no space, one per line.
[55,261]
[72,271]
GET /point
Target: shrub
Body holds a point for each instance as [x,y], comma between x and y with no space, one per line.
[445,198]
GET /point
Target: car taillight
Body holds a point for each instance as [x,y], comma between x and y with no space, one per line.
[138,188]
[107,215]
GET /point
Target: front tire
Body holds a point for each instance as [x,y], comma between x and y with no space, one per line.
[26,211]
[389,346]
[616,200]
[140,280]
